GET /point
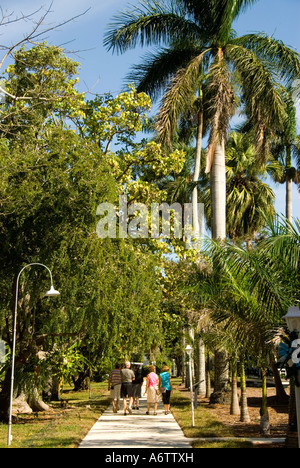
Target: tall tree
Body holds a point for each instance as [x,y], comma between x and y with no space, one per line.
[203,52]
[201,56]
[53,177]
[249,200]
[286,148]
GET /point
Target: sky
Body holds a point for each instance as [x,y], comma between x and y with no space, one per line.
[104,72]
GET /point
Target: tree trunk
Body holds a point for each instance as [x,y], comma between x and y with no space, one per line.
[5,397]
[218,193]
[183,374]
[264,413]
[179,366]
[201,374]
[245,416]
[289,199]
[196,220]
[234,407]
[21,406]
[289,185]
[51,391]
[292,432]
[280,391]
[81,383]
[218,204]
[36,403]
[208,378]
[221,382]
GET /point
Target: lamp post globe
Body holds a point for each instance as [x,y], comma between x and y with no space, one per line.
[293,319]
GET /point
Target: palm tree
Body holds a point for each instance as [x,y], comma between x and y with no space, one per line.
[249,200]
[226,312]
[199,69]
[271,273]
[286,146]
[252,296]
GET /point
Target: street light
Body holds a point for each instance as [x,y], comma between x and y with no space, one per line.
[189,351]
[51,293]
[293,319]
[293,322]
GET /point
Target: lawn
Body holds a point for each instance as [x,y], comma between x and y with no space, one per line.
[72,417]
[65,426]
[206,423]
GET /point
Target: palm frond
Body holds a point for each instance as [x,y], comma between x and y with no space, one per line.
[283,241]
[276,170]
[226,11]
[296,151]
[179,96]
[264,105]
[220,106]
[216,16]
[285,60]
[149,23]
[154,73]
[259,273]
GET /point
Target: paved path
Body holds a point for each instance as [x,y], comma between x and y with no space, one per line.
[136,431]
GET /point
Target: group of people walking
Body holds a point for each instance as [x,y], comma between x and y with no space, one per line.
[126,383]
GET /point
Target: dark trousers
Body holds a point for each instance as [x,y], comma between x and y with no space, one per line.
[166,397]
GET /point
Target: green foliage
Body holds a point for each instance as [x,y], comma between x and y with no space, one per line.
[57,167]
[252,289]
[41,90]
[200,59]
[249,200]
[67,364]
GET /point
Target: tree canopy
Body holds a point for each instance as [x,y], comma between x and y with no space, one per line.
[61,156]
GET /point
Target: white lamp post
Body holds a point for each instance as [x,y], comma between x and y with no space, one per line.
[189,351]
[52,292]
[293,322]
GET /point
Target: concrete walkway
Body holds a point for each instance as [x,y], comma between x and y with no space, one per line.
[136,431]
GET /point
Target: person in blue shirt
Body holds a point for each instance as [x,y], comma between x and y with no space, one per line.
[166,383]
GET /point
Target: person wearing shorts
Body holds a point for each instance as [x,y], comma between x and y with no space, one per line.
[127,377]
[114,385]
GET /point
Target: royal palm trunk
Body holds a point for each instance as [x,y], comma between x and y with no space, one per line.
[218,202]
[196,221]
[218,192]
[289,186]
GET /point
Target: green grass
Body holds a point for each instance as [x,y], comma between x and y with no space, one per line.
[206,424]
[224,444]
[65,426]
[75,414]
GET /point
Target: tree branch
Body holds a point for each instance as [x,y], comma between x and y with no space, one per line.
[34,37]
